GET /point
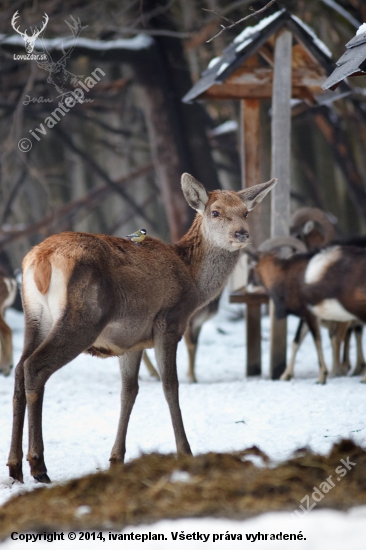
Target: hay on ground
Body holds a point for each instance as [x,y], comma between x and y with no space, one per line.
[155,487]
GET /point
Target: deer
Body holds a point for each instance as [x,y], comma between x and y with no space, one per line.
[105,296]
[29,40]
[320,285]
[313,227]
[8,290]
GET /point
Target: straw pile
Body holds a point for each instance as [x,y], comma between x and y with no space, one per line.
[155,486]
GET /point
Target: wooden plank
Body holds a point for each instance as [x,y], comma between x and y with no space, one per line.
[280,168]
[254,300]
[253,330]
[250,159]
[251,91]
[242,296]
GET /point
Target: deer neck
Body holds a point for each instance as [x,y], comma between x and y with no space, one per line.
[209,265]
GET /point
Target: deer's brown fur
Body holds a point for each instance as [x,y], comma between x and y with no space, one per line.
[107,296]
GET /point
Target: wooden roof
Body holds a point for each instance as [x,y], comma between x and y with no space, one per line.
[245,69]
[352,62]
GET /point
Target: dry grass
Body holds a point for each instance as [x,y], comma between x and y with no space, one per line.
[221,485]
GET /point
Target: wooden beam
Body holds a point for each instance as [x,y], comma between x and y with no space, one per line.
[253,91]
[250,149]
[253,301]
[250,159]
[280,168]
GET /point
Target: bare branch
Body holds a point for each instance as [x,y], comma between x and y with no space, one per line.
[103,174]
[219,15]
[223,28]
[70,209]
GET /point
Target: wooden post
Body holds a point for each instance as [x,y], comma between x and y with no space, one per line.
[280,168]
[250,176]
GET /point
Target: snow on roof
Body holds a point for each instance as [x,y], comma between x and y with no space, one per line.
[361,29]
[213,62]
[138,42]
[352,62]
[249,41]
[249,31]
[316,40]
[225,128]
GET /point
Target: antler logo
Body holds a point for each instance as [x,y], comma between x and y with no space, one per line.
[59,76]
[29,40]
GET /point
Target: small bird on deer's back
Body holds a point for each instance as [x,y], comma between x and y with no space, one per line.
[138,236]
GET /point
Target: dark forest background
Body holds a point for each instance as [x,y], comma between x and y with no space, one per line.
[113,164]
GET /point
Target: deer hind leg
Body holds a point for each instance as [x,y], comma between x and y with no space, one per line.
[33,338]
[315,331]
[301,332]
[337,333]
[129,366]
[346,363]
[360,365]
[69,337]
[6,341]
[166,350]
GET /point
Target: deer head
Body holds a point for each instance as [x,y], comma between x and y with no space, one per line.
[224,213]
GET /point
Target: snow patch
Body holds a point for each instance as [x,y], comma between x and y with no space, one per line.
[6,482]
[222,68]
[213,62]
[225,128]
[138,42]
[179,476]
[243,45]
[361,29]
[82,511]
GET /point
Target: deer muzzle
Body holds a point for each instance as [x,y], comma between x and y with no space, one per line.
[242,235]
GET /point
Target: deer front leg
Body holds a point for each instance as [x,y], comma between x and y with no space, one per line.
[129,367]
[301,332]
[191,343]
[150,367]
[166,350]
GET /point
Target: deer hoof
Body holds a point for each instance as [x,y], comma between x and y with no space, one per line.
[358,369]
[42,478]
[16,472]
[286,376]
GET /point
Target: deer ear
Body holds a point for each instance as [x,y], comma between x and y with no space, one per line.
[194,192]
[255,194]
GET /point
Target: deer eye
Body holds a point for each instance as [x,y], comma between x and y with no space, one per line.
[246,214]
[215,214]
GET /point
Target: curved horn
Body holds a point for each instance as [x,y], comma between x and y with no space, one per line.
[316,215]
[278,242]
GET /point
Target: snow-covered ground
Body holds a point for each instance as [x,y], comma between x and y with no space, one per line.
[223,412]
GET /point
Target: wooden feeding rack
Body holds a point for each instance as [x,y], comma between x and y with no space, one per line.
[280,58]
